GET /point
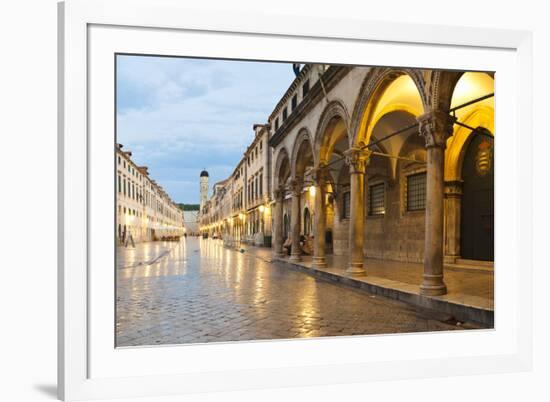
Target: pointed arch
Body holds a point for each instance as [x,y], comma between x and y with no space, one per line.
[441,87]
[301,149]
[454,155]
[282,168]
[335,112]
[374,85]
[468,86]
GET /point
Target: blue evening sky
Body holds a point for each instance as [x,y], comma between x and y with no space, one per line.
[180,115]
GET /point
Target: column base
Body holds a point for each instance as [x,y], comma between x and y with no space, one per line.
[277,254]
[433,285]
[319,262]
[356,269]
[295,257]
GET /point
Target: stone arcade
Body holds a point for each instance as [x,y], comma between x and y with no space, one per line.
[386,163]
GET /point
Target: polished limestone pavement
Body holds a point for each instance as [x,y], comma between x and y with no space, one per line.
[470,284]
[197,291]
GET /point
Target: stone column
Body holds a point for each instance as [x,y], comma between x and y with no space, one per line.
[295,252]
[357,159]
[278,222]
[453,202]
[319,178]
[435,127]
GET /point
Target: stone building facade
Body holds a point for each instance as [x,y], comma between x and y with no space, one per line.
[143,209]
[387,163]
[191,222]
[239,209]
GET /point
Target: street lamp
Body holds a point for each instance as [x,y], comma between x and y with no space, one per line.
[312,191]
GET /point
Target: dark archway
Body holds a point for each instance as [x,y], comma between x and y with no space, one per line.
[286,227]
[282,169]
[307,222]
[477,212]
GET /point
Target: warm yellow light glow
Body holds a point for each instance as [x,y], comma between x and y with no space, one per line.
[262,208]
[401,94]
[312,191]
[480,114]
[472,86]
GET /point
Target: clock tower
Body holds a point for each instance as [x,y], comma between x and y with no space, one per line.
[204,188]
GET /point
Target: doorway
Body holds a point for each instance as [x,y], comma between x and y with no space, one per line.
[477,213]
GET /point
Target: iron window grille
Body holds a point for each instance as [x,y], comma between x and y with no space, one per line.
[416,192]
[377,199]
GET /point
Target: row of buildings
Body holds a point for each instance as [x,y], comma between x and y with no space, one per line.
[240,206]
[379,162]
[144,211]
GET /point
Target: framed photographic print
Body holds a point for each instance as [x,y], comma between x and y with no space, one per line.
[249,202]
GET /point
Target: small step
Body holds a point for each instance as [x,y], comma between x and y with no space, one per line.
[470,268]
[476,263]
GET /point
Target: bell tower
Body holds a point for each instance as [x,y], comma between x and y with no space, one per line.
[204,188]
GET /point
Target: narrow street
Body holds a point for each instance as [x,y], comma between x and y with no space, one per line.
[197,291]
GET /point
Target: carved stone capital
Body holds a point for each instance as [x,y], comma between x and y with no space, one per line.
[320,175]
[436,127]
[279,194]
[357,158]
[296,187]
[453,189]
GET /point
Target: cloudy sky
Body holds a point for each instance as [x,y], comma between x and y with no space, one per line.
[180,115]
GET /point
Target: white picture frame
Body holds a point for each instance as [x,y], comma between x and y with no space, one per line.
[92,31]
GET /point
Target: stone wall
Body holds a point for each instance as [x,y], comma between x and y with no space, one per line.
[341,236]
[397,235]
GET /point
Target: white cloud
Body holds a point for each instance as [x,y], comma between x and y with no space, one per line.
[189,114]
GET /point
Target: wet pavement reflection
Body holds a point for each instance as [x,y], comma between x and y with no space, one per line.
[196,291]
